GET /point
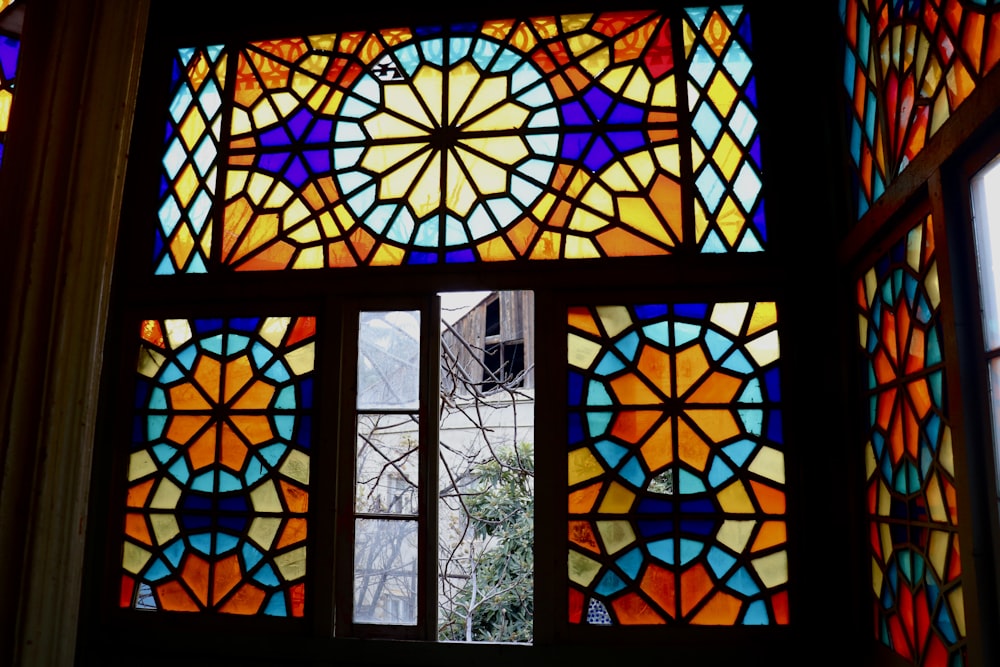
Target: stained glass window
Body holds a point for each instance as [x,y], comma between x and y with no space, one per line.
[908,66]
[557,137]
[10,43]
[911,493]
[677,507]
[219,466]
[444,149]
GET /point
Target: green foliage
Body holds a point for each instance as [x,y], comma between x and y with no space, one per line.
[499,595]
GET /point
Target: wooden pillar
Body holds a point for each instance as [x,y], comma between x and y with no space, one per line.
[60,192]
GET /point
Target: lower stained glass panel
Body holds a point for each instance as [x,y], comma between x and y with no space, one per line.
[218,476]
[911,493]
[676,465]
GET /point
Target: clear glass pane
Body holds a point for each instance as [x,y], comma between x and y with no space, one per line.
[486,469]
[385,571]
[389,360]
[986,217]
[995,400]
[386,464]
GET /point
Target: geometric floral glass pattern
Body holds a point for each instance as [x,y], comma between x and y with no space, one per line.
[9,46]
[676,466]
[218,475]
[189,171]
[908,66]
[507,140]
[911,497]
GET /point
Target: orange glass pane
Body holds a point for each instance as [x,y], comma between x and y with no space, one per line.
[296,499]
[581,534]
[633,610]
[696,584]
[227,573]
[173,597]
[294,532]
[195,574]
[721,609]
[583,500]
[247,600]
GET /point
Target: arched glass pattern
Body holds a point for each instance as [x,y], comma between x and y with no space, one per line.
[908,65]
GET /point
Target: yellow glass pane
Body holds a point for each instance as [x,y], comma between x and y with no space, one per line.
[615,319]
[192,128]
[166,496]
[150,362]
[730,220]
[583,466]
[302,359]
[722,93]
[582,570]
[292,564]
[263,530]
[405,103]
[134,558]
[764,315]
[769,463]
[164,527]
[461,194]
[764,349]
[730,316]
[736,534]
[5,99]
[735,499]
[937,553]
[265,498]
[485,110]
[772,569]
[956,602]
[488,178]
[296,466]
[618,499]
[186,185]
[182,245]
[616,535]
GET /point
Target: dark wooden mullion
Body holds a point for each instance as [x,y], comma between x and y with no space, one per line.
[685,135]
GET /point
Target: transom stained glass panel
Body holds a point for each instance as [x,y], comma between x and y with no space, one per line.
[218,475]
[911,493]
[558,137]
[907,67]
[676,466]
